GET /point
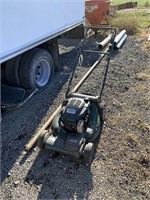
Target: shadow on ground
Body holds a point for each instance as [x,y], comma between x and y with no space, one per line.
[18,126]
[59,178]
[54,176]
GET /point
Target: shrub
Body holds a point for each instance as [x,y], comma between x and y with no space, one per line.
[131,22]
[127,22]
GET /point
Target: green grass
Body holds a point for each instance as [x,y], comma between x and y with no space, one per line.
[132,22]
[140,2]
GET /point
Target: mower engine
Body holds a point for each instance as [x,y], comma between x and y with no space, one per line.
[75,115]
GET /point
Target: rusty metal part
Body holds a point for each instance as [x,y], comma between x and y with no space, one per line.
[96,11]
[126,5]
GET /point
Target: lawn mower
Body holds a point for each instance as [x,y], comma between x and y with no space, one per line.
[79,122]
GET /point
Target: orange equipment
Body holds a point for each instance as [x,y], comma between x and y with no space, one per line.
[95,11]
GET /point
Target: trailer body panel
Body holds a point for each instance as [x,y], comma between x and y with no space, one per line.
[24,24]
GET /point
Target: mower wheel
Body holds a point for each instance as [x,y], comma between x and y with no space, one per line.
[88,153]
[42,138]
[102,111]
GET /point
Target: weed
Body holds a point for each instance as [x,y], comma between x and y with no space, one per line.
[128,22]
[132,140]
[115,119]
[130,113]
[131,59]
[144,161]
[131,22]
[143,88]
[144,101]
[143,76]
[145,3]
[143,126]
[141,158]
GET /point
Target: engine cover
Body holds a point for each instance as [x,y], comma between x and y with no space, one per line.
[75,110]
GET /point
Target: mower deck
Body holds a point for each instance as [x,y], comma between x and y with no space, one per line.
[71,142]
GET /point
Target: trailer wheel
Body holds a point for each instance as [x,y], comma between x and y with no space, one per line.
[88,153]
[12,71]
[53,49]
[36,69]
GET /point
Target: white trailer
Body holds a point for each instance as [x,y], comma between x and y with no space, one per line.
[28,38]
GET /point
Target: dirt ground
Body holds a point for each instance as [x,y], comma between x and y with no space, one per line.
[120,167]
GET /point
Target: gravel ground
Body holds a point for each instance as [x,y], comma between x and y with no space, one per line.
[120,167]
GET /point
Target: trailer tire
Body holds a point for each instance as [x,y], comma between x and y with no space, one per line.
[12,71]
[53,49]
[36,69]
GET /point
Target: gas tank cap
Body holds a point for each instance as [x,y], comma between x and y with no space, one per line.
[86,99]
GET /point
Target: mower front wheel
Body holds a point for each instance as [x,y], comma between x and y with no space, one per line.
[42,138]
[88,153]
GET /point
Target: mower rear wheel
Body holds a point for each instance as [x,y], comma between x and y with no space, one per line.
[102,111]
[42,138]
[88,153]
